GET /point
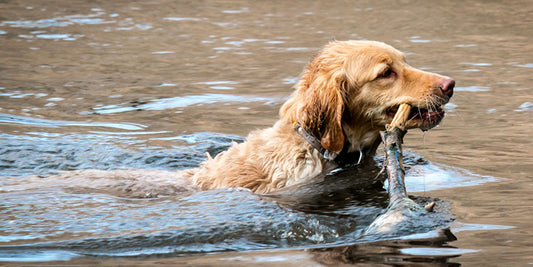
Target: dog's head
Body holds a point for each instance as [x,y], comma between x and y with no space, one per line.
[352,89]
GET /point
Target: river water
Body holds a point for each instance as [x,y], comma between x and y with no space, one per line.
[153,85]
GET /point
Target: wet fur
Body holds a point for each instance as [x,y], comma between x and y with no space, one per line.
[342,98]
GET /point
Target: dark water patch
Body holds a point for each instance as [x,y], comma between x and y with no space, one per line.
[39,154]
[82,220]
[208,221]
[204,222]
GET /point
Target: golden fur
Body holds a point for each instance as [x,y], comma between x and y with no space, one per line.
[344,97]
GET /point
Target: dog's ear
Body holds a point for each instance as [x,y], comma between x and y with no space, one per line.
[318,102]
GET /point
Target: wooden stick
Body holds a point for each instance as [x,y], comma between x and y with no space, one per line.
[402,212]
[393,139]
[400,118]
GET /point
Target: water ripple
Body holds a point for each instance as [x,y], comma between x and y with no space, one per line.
[58,22]
[180,102]
[12,119]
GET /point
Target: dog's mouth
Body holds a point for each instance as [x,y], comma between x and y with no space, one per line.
[422,118]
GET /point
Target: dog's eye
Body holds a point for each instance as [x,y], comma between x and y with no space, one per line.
[386,74]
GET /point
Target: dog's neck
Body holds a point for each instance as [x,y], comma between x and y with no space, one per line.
[311,139]
[356,148]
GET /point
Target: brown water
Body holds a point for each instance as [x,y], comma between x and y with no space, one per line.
[146,84]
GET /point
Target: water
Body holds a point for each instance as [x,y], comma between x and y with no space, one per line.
[155,84]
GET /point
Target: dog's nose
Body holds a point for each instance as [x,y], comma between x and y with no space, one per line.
[447,86]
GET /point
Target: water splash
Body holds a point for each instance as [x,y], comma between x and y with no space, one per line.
[76,220]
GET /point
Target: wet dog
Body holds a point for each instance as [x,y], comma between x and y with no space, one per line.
[346,95]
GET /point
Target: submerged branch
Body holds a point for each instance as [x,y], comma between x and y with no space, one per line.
[402,212]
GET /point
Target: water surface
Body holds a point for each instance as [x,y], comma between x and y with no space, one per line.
[155,84]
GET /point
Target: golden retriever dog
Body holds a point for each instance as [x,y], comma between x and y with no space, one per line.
[346,95]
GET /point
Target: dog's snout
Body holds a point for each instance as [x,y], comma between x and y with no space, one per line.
[447,86]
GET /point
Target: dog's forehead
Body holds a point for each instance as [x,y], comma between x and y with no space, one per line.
[365,52]
[381,53]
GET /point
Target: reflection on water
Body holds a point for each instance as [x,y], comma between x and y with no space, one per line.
[144,85]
